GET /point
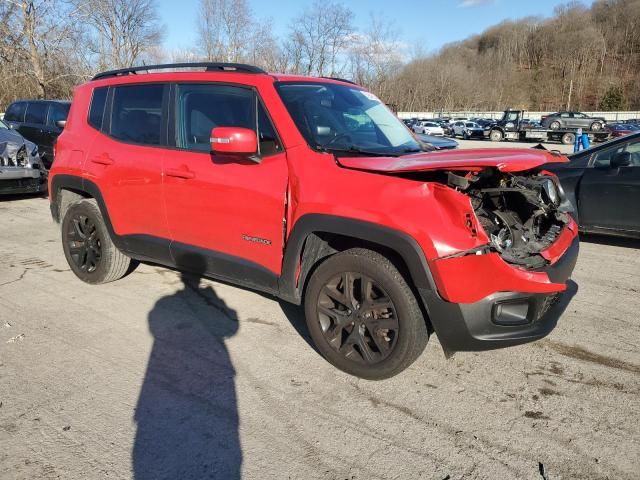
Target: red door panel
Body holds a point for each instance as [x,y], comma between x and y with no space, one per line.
[130,179]
[233,207]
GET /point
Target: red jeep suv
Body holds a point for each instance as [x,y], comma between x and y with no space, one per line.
[311,190]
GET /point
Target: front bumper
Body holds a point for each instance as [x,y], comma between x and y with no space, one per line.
[505,318]
[16,180]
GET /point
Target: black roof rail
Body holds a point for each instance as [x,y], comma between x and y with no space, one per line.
[341,80]
[208,66]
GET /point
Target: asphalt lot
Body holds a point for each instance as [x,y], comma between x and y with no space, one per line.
[153,377]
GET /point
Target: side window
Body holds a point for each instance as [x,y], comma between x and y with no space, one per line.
[96,112]
[603,158]
[15,112]
[200,108]
[58,112]
[267,136]
[136,115]
[564,115]
[37,113]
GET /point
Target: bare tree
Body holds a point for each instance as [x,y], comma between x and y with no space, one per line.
[375,55]
[319,36]
[37,54]
[122,32]
[225,29]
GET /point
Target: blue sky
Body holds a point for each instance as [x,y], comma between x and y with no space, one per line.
[429,23]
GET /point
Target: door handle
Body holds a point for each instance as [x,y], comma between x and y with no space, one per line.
[179,173]
[102,160]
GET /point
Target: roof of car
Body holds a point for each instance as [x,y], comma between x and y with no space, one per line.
[153,72]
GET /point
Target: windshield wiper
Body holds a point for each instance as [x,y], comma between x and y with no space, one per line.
[354,149]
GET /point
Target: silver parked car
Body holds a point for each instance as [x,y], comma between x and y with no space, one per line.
[21,170]
[466,130]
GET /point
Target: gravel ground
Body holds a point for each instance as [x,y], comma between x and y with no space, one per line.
[151,377]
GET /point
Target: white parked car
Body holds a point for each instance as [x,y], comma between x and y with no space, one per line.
[467,130]
[428,128]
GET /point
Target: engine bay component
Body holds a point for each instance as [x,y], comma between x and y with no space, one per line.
[521,213]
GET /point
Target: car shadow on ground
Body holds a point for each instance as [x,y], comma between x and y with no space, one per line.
[187,415]
[610,240]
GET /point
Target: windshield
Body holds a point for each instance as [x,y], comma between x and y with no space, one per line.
[3,126]
[345,119]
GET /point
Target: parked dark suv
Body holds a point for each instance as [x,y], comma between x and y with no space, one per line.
[312,190]
[40,121]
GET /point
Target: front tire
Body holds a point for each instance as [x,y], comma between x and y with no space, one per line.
[554,125]
[362,315]
[88,247]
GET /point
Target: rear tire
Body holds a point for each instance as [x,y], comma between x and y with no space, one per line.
[496,136]
[362,315]
[568,139]
[596,126]
[88,247]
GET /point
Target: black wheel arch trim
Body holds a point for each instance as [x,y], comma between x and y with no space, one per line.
[399,242]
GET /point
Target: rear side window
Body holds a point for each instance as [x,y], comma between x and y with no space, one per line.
[15,112]
[136,115]
[98,101]
[37,113]
[58,112]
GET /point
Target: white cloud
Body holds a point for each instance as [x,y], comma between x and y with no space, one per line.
[475,3]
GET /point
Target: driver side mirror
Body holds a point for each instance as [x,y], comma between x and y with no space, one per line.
[61,123]
[234,141]
[622,159]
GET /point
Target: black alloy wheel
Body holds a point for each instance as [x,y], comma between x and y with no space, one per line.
[84,243]
[363,316]
[88,247]
[357,318]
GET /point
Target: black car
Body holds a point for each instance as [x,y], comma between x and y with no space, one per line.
[439,143]
[40,121]
[603,186]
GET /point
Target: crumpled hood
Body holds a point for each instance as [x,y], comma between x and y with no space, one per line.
[504,159]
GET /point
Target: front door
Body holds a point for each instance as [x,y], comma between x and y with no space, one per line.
[609,197]
[225,214]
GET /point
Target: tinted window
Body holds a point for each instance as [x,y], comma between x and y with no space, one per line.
[603,158]
[58,112]
[200,108]
[15,112]
[37,113]
[137,114]
[98,102]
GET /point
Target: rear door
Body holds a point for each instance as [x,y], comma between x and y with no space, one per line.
[125,160]
[609,197]
[225,214]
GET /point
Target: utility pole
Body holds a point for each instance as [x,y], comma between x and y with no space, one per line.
[570,91]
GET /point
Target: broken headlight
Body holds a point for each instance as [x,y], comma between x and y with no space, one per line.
[550,190]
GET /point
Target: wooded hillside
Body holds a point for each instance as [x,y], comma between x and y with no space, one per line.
[583,58]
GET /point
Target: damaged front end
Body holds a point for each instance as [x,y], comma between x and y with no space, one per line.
[522,213]
[21,170]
